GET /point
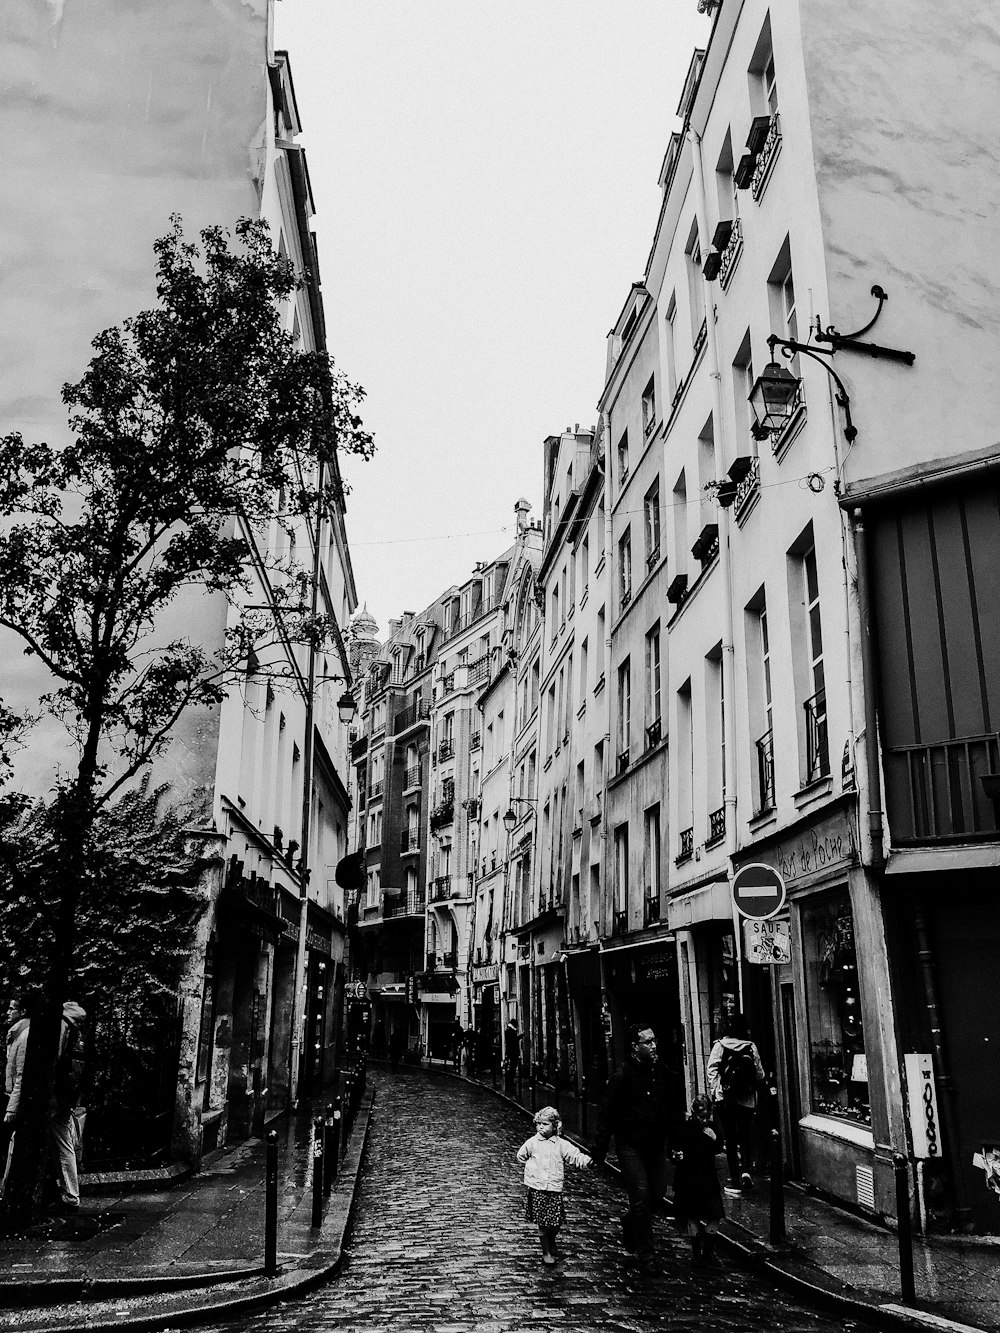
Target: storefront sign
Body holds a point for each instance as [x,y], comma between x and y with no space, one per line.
[921,1096]
[485,972]
[656,965]
[356,990]
[758,891]
[766,942]
[824,847]
[317,942]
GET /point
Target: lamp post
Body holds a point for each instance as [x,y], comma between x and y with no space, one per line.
[776,392]
[512,818]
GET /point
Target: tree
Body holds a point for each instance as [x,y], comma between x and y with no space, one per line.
[197,423]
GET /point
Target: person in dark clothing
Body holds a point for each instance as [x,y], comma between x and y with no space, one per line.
[735,1072]
[698,1204]
[636,1112]
[397,1045]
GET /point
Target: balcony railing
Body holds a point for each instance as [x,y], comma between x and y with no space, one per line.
[448,683]
[817,738]
[653,556]
[475,740]
[409,717]
[686,846]
[443,814]
[376,789]
[935,794]
[747,488]
[441,888]
[626,596]
[412,778]
[405,904]
[449,960]
[446,750]
[409,840]
[479,669]
[622,762]
[716,826]
[654,733]
[731,254]
[766,157]
[765,772]
[651,910]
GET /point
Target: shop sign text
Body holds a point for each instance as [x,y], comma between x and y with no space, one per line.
[819,849]
[766,942]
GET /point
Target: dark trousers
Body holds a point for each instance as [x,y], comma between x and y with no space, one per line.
[737,1126]
[644,1175]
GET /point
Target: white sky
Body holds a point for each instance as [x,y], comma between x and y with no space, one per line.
[485,181]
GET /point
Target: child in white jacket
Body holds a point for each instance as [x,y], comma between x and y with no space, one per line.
[544,1156]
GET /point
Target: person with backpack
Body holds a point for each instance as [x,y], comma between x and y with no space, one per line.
[66,1117]
[734,1073]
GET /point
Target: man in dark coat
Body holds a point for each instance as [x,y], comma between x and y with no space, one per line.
[636,1111]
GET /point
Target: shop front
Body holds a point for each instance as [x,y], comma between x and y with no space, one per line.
[485,1015]
[641,981]
[831,1030]
[319,1053]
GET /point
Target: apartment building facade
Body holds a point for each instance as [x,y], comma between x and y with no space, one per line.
[251,1025]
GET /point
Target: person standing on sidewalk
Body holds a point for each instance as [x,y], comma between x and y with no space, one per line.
[734,1073]
[66,1116]
[512,1048]
[637,1112]
[17,1040]
[544,1156]
[698,1203]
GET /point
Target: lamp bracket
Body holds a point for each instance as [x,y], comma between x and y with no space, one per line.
[848,342]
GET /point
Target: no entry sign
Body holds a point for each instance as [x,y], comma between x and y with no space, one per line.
[758,891]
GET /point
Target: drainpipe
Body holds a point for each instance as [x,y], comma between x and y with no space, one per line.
[725,556]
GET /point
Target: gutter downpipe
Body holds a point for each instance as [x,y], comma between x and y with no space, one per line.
[725,557]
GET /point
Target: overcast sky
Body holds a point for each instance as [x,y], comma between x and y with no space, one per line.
[485,181]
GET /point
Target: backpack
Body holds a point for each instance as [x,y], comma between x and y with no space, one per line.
[738,1075]
[69,1068]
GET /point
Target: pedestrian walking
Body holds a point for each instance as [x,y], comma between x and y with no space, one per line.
[735,1072]
[698,1202]
[544,1156]
[67,1116]
[457,1043]
[17,1040]
[512,1048]
[637,1112]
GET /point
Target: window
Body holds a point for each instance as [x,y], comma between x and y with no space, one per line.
[624,713]
[759,696]
[555,612]
[761,76]
[621,877]
[715,744]
[653,682]
[696,287]
[724,184]
[742,384]
[649,407]
[685,772]
[581,790]
[670,347]
[682,545]
[569,697]
[584,652]
[623,459]
[817,740]
[550,721]
[652,867]
[838,1065]
[781,300]
[625,568]
[584,563]
[651,512]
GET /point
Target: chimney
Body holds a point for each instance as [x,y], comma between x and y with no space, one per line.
[521,509]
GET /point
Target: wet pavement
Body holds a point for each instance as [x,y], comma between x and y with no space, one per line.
[440,1245]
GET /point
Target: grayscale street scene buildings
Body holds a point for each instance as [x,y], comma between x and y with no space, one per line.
[711,731]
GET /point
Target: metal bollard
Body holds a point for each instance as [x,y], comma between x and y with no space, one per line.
[901,1170]
[777,1231]
[338,1122]
[317,1195]
[583,1105]
[271,1205]
[329,1153]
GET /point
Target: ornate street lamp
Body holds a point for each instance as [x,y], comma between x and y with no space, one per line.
[511,818]
[774,397]
[346,707]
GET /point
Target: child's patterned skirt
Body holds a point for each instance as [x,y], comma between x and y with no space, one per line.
[545,1208]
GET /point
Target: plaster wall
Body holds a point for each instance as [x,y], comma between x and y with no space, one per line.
[902,114]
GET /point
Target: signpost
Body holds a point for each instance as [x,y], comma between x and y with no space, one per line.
[758,891]
[766,941]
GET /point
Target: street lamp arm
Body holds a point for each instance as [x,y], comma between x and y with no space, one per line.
[789,347]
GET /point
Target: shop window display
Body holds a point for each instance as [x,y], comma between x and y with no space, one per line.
[839,1072]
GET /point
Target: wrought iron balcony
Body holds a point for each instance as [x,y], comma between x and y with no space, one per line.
[817,738]
[934,792]
[716,826]
[765,772]
[653,556]
[730,255]
[446,750]
[443,815]
[686,846]
[706,548]
[409,840]
[619,925]
[479,669]
[405,904]
[412,778]
[700,336]
[410,717]
[475,740]
[748,487]
[441,889]
[651,910]
[622,762]
[766,157]
[376,789]
[654,733]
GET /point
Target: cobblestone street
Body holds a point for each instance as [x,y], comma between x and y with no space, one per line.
[440,1245]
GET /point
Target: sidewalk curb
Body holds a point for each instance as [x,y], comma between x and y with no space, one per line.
[818,1286]
[252,1292]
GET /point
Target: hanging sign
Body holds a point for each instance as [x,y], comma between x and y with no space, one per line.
[766,942]
[758,891]
[921,1098]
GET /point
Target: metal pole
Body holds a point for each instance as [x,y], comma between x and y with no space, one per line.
[777,1230]
[338,1124]
[271,1205]
[329,1152]
[317,1194]
[901,1170]
[583,1105]
[348,1105]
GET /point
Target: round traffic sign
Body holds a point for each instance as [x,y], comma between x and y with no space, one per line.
[758,891]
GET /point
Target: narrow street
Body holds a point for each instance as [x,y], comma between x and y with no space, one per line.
[439,1241]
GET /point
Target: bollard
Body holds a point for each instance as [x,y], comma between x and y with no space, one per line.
[317,1196]
[271,1205]
[583,1105]
[901,1170]
[338,1121]
[777,1231]
[520,1079]
[348,1104]
[329,1152]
